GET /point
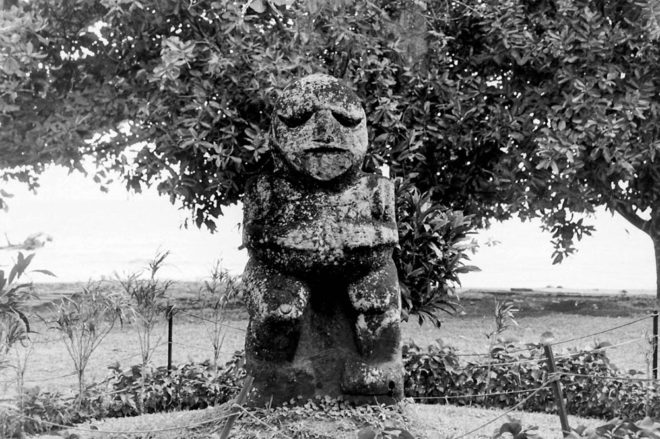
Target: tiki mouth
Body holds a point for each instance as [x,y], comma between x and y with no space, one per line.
[325,150]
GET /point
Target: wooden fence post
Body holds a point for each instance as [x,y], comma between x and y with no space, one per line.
[556,388]
[170,327]
[654,343]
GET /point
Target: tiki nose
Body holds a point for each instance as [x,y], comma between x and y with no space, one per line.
[323,130]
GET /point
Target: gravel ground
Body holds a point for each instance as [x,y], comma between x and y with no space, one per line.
[423,421]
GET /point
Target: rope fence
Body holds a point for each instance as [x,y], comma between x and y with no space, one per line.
[474,395]
[68,375]
[582,337]
[515,407]
[486,355]
[204,319]
[553,381]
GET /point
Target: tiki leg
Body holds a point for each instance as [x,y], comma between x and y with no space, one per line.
[276,302]
[377,302]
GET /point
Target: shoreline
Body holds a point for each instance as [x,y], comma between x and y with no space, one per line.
[475,293]
[461,292]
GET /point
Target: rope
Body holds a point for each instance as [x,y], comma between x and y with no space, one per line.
[614,328]
[212,321]
[202,348]
[566,356]
[160,430]
[530,390]
[475,395]
[611,378]
[40,380]
[270,427]
[539,360]
[520,404]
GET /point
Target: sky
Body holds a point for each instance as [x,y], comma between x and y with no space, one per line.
[98,235]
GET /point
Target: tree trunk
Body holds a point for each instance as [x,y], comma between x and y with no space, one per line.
[652,228]
[411,30]
[656,249]
[654,232]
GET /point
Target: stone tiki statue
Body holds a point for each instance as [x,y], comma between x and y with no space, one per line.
[322,289]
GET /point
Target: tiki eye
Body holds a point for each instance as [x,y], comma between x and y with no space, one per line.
[347,121]
[296,120]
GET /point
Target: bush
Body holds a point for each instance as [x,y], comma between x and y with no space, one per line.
[186,387]
[433,250]
[435,375]
[10,425]
[41,408]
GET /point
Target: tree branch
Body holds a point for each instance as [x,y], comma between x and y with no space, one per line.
[632,218]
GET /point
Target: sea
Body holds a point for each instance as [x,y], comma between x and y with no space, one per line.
[85,234]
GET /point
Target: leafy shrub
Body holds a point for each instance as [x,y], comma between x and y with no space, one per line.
[433,248]
[10,424]
[186,387]
[435,375]
[15,329]
[14,323]
[615,429]
[41,408]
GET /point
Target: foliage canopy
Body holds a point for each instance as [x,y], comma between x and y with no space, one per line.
[494,108]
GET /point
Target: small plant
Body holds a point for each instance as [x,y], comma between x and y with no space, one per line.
[14,323]
[504,319]
[41,408]
[615,429]
[83,321]
[13,295]
[12,332]
[148,302]
[10,424]
[384,433]
[515,428]
[215,294]
[21,352]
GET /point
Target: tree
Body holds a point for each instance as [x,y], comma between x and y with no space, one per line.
[197,80]
[498,108]
[584,79]
[584,75]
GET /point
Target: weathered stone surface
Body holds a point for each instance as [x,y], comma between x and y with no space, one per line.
[322,288]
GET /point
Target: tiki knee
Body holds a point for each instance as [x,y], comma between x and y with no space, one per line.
[376,292]
[272,295]
[378,336]
[273,339]
[276,303]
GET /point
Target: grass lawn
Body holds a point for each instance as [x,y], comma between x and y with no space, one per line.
[566,317]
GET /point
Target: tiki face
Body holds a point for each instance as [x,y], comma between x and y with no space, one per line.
[320,128]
